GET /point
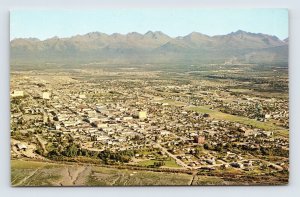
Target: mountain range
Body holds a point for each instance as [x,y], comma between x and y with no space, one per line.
[152,47]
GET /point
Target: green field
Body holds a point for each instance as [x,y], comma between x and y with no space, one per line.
[172,102]
[207,180]
[268,126]
[113,177]
[32,173]
[168,163]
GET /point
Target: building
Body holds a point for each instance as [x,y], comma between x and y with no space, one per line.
[82,96]
[17,93]
[199,139]
[46,95]
[45,118]
[206,115]
[21,146]
[142,115]
[127,118]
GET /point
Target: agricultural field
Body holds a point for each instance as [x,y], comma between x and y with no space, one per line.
[279,131]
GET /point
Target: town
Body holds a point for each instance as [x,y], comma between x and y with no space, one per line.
[215,124]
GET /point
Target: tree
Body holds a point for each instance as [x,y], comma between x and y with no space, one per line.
[198,150]
[39,150]
[218,147]
[207,146]
[158,164]
[53,153]
[71,151]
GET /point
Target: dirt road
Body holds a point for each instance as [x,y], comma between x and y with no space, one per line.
[74,175]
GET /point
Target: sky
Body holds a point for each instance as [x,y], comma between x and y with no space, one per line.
[43,24]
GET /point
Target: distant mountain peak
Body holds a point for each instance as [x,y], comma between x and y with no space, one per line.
[134,34]
[116,35]
[54,38]
[154,34]
[95,33]
[239,32]
[195,35]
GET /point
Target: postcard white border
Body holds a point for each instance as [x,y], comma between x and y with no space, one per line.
[294,69]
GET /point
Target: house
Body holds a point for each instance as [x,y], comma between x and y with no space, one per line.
[127,118]
[21,146]
[46,95]
[82,96]
[199,139]
[142,115]
[236,165]
[17,93]
[211,161]
[100,125]
[267,116]
[206,115]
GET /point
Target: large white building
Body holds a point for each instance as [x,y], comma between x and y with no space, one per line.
[142,115]
[46,95]
[82,96]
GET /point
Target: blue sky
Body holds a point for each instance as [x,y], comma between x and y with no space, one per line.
[45,24]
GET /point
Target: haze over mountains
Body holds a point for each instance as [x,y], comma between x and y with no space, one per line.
[152,47]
